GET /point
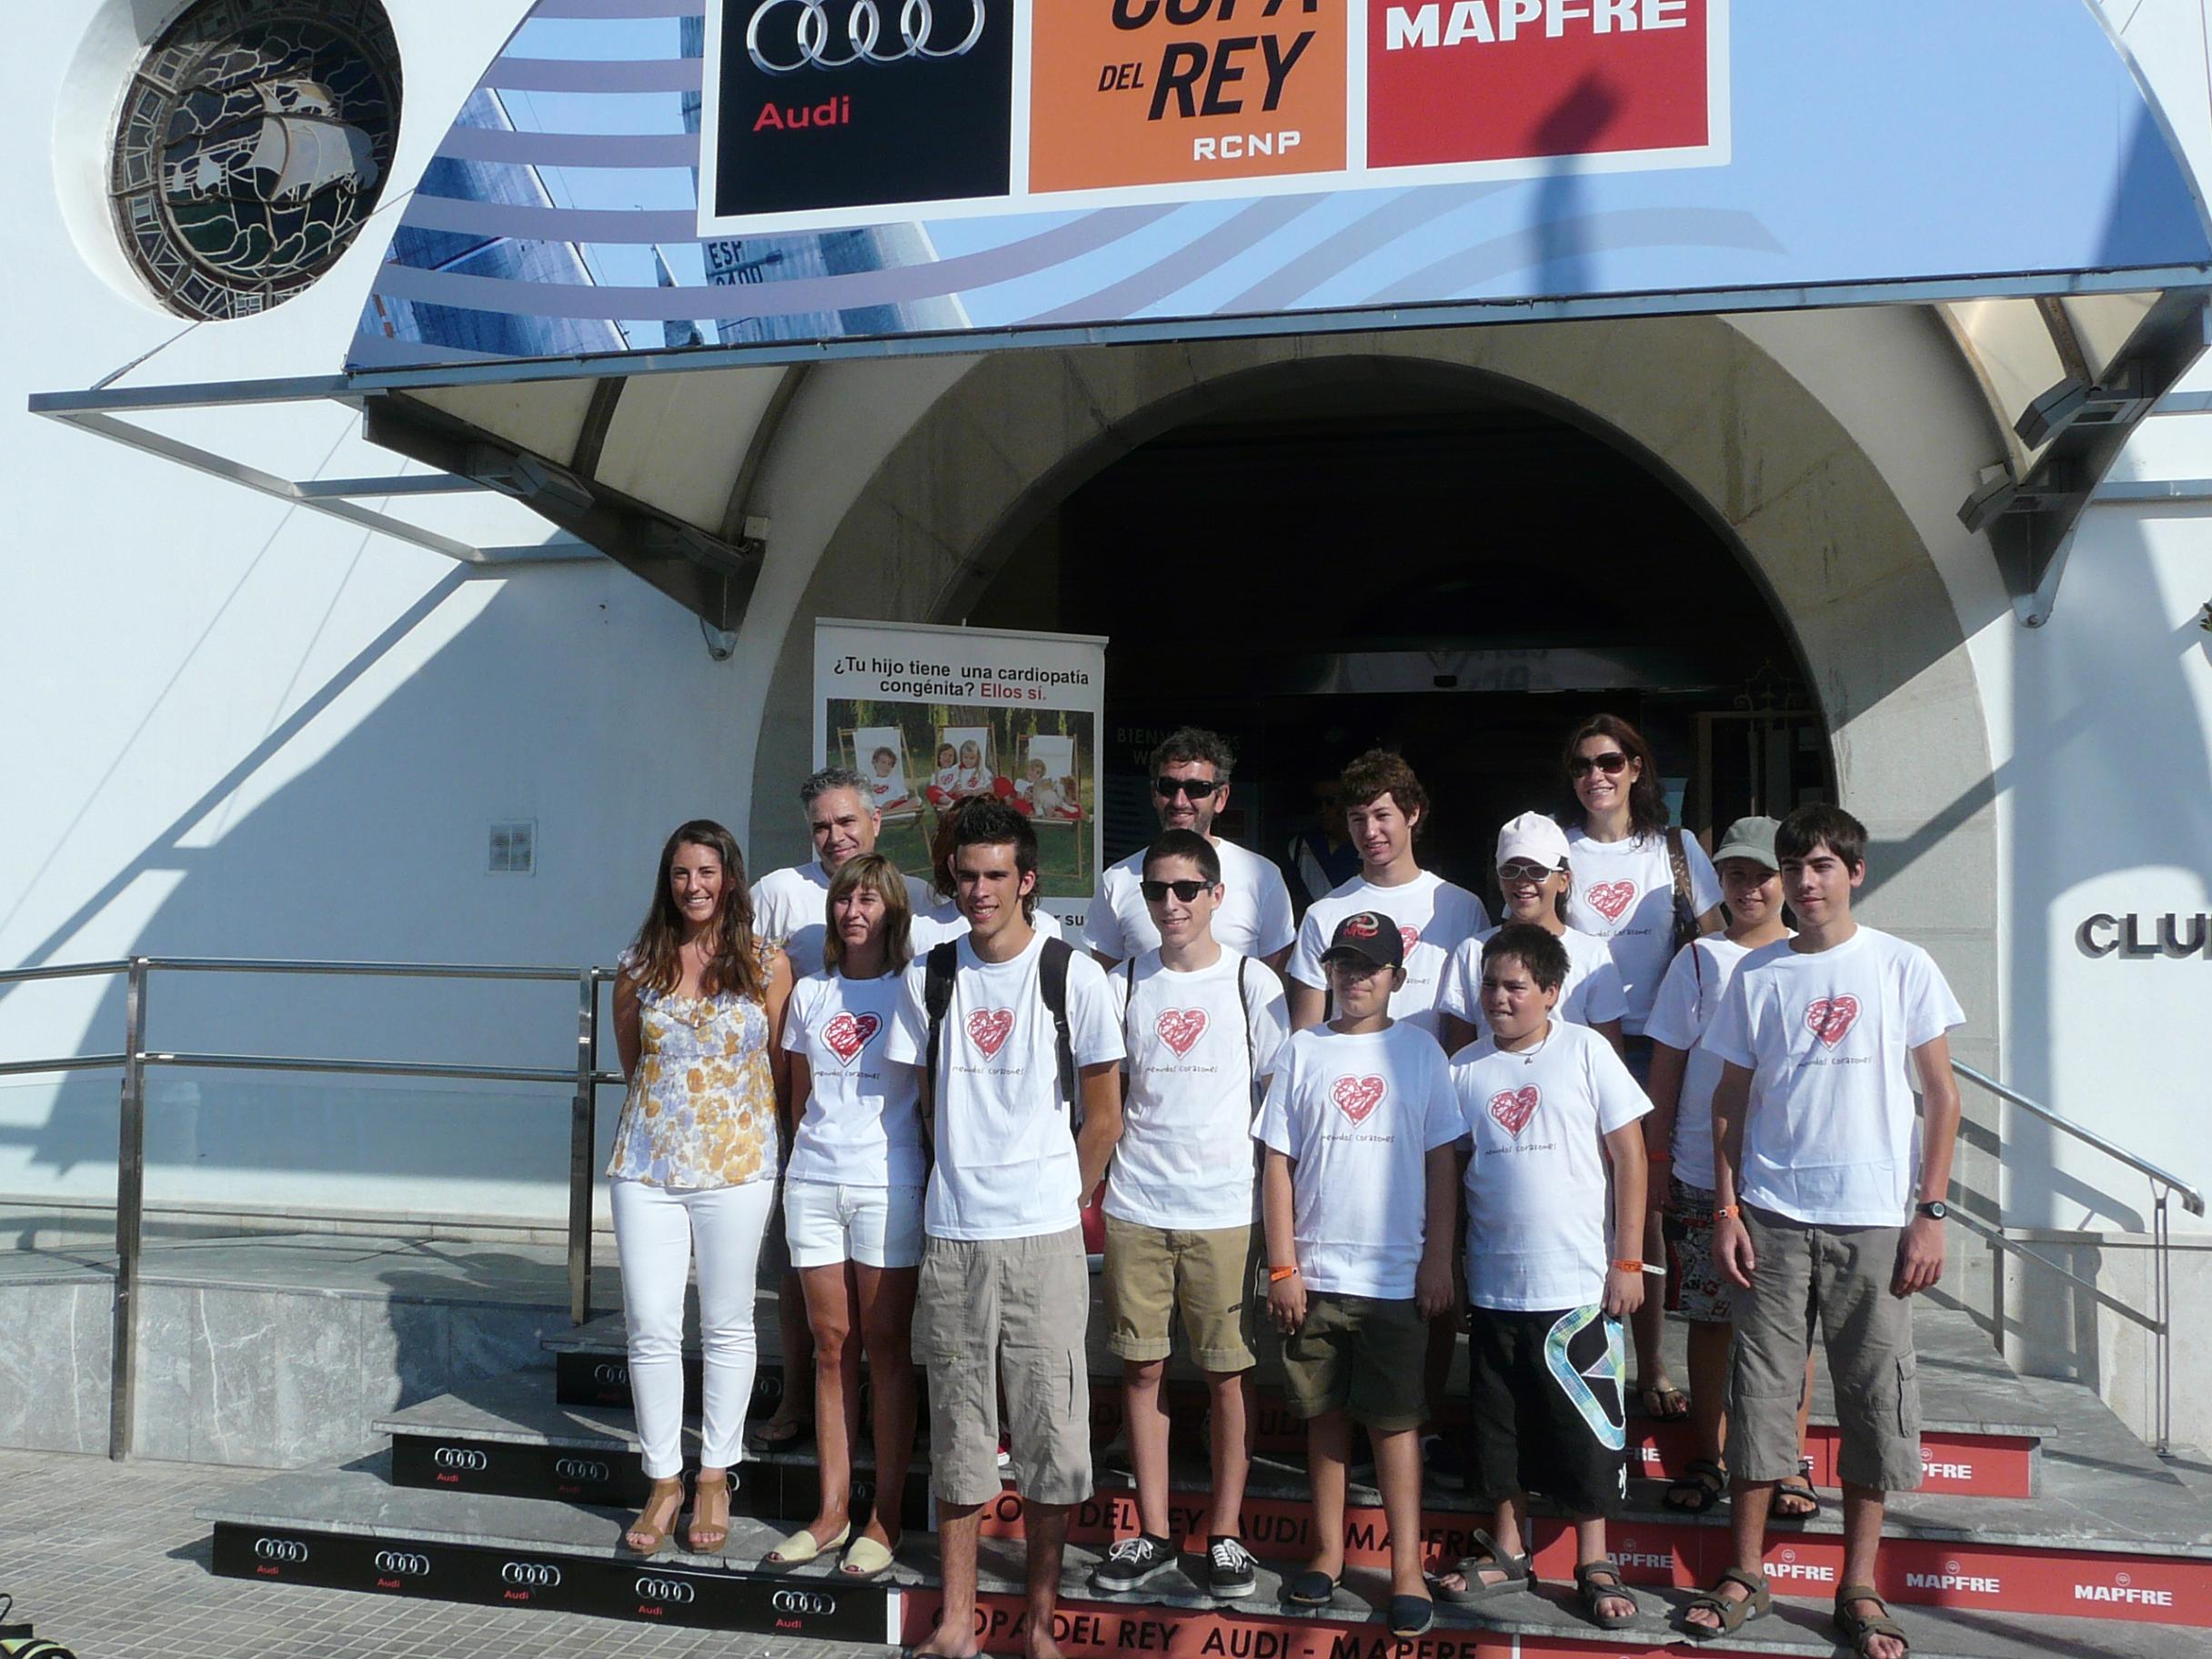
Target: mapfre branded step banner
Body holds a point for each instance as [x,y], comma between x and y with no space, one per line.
[831,112]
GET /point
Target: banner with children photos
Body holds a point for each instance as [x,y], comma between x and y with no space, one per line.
[935,715]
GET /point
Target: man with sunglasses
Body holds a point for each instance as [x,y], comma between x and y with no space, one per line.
[1190,771]
[1201,1023]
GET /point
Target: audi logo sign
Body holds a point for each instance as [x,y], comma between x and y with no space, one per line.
[530,1575]
[460,1457]
[787,35]
[669,1591]
[404,1564]
[280,1549]
[611,1374]
[581,1469]
[815,1602]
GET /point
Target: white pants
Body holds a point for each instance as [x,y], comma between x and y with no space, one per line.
[655,1229]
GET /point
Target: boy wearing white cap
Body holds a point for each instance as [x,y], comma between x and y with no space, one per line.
[1682,1077]
[1535,883]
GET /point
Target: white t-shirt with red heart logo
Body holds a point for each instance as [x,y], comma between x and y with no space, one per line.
[1006,1165]
[1184,1160]
[1253,917]
[1359,1115]
[863,1123]
[1592,994]
[1832,1135]
[1433,916]
[1539,1217]
[1689,996]
[1625,894]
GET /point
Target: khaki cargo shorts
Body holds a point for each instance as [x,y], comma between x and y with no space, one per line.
[1021,1305]
[1841,1277]
[1153,1273]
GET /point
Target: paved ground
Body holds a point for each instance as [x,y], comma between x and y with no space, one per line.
[107,1560]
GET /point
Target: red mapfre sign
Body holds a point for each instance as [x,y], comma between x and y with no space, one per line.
[1503,80]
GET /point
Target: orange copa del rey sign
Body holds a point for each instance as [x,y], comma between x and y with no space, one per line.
[1109,102]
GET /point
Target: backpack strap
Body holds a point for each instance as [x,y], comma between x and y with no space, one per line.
[1052,981]
[1685,900]
[942,961]
[1251,1052]
[1129,974]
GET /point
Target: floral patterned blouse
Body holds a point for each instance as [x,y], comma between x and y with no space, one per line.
[701,1106]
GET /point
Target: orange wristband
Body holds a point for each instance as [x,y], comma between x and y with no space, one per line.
[1628,1267]
[1276,1275]
[1727,1210]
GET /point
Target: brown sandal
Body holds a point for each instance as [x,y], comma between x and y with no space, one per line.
[1857,1629]
[648,1535]
[709,1530]
[1733,1612]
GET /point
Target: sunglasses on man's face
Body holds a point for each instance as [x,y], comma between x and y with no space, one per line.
[1156,893]
[1194,789]
[1612,764]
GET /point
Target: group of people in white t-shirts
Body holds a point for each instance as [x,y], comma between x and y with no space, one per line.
[1438,1125]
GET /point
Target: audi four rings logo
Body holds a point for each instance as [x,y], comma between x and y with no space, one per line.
[401,1561]
[457,1457]
[666,1590]
[803,1600]
[580,1469]
[531,1574]
[280,1549]
[610,1373]
[927,29]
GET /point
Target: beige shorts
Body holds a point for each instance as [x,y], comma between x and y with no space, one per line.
[1360,1355]
[1841,1277]
[1152,1273]
[1021,1305]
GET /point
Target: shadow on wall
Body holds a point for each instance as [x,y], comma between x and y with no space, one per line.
[536,709]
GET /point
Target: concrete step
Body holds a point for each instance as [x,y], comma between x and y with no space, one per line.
[1979,1435]
[349,1529]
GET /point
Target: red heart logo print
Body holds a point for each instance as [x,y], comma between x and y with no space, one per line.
[1357,1097]
[1410,937]
[1611,899]
[847,1034]
[1514,1108]
[1830,1018]
[1181,1027]
[988,1029]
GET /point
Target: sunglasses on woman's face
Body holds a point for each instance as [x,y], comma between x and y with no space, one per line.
[1156,893]
[1611,763]
[1522,870]
[1194,789]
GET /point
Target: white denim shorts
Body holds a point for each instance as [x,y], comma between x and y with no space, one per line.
[828,1223]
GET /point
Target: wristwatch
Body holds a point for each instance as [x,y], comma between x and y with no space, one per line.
[1934,1209]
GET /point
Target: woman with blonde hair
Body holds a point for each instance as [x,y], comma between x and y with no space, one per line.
[699,1015]
[853,1201]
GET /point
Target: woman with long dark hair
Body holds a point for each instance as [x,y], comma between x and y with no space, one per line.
[1646,890]
[698,1018]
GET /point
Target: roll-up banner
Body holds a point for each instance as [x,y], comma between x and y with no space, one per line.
[932,717]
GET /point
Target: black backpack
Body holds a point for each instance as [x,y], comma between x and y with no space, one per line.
[941,963]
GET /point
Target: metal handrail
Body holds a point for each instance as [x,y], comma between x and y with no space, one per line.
[2192,1200]
[2164,1185]
[585,1078]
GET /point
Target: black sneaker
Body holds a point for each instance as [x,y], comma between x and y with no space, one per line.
[1231,1568]
[1132,1561]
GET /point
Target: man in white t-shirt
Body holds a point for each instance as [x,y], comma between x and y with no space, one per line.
[1680,1134]
[1004,1286]
[1189,785]
[791,905]
[1554,1191]
[1828,1206]
[1358,1126]
[1201,1023]
[1533,879]
[1386,809]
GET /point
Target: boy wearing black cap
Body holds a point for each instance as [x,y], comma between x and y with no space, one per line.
[1358,1126]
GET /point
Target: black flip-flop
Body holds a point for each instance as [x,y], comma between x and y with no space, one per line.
[1705,1479]
[1795,1486]
[1311,1588]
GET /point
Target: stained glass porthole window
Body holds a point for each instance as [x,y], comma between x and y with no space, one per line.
[254,140]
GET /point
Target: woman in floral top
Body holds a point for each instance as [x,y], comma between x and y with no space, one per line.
[698,1017]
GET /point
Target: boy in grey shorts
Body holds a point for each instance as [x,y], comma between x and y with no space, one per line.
[1827,1205]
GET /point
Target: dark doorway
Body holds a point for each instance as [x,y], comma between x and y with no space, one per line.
[1451,575]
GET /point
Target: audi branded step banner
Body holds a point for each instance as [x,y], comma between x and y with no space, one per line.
[655,1592]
